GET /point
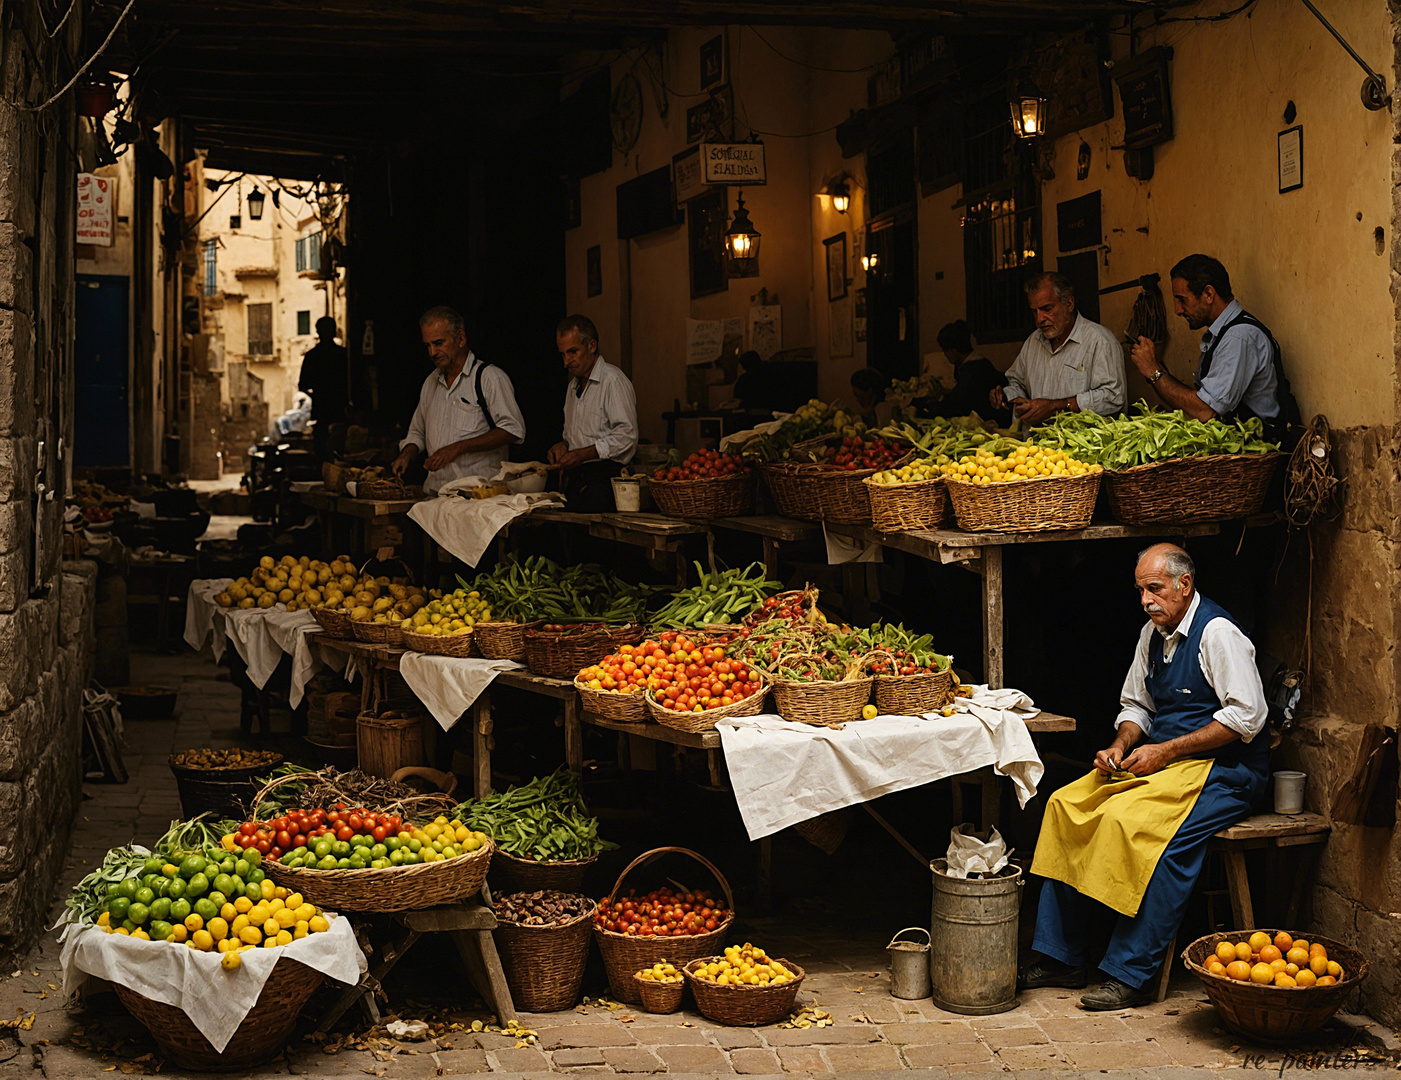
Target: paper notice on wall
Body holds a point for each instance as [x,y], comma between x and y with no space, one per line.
[97,195]
[732,342]
[704,339]
[766,330]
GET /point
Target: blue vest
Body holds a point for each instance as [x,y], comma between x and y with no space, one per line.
[1183,700]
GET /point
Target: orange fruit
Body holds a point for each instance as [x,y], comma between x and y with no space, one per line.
[1318,964]
[1297,956]
[1278,965]
[1238,970]
[1269,954]
[1243,950]
[1300,943]
[1262,974]
[1281,979]
[1283,942]
[1335,969]
[1215,967]
[1305,977]
[1259,940]
[1225,952]
[1292,970]
[1326,980]
[1317,948]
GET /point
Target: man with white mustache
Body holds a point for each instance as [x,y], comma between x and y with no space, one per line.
[1190,757]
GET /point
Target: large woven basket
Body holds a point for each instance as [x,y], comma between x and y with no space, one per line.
[743,1006]
[528,875]
[502,640]
[626,954]
[1275,1014]
[611,705]
[395,888]
[227,792]
[660,997]
[785,489]
[713,497]
[544,965]
[1190,489]
[923,504]
[459,645]
[561,656]
[1045,502]
[706,719]
[915,695]
[387,489]
[377,633]
[262,1035]
[821,702]
[334,622]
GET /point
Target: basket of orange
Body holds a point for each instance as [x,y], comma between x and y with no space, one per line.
[1273,986]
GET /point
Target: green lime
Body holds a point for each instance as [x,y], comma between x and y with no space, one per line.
[415,846]
[160,908]
[343,864]
[198,886]
[328,863]
[411,858]
[159,930]
[287,859]
[396,857]
[144,896]
[128,888]
[253,891]
[218,898]
[117,909]
[153,865]
[180,910]
[195,864]
[227,865]
[176,888]
[223,883]
[379,851]
[138,913]
[392,843]
[205,909]
[128,925]
[322,848]
[253,855]
[340,849]
[357,862]
[241,868]
[254,876]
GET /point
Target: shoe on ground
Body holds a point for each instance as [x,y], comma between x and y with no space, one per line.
[1113,994]
[1051,972]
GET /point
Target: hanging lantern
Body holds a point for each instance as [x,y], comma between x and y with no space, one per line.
[869,262]
[742,243]
[841,197]
[1028,105]
[97,94]
[255,203]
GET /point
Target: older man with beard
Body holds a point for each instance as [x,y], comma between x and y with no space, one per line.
[1125,844]
[1069,363]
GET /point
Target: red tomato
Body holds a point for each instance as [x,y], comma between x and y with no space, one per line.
[345,832]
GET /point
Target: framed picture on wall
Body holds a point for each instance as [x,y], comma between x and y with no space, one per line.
[836,266]
[594,258]
[705,225]
[712,61]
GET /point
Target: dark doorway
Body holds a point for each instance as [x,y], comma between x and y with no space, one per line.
[102,419]
[892,287]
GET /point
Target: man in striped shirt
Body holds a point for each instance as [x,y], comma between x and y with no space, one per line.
[467,414]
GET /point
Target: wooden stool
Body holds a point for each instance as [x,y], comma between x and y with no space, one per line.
[1258,831]
[470,926]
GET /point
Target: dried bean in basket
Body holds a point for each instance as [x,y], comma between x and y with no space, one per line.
[545,907]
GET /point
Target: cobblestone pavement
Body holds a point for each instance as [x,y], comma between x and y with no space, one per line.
[874,1034]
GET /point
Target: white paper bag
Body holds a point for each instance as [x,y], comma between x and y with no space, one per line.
[971,853]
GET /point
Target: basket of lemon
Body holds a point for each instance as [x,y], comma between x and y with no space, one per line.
[446,626]
[1023,488]
[913,496]
[660,987]
[745,987]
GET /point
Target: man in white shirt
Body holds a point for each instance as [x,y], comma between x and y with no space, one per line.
[600,419]
[1069,363]
[467,414]
[1125,843]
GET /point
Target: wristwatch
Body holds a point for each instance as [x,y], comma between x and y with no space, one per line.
[1156,376]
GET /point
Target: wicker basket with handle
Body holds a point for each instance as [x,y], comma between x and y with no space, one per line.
[1034,505]
[712,497]
[544,965]
[1190,489]
[743,1005]
[626,954]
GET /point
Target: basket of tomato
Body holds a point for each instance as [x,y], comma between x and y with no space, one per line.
[708,484]
[822,478]
[560,650]
[690,686]
[635,932]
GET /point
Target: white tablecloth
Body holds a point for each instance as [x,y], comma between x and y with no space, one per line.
[466,526]
[784,772]
[216,1001]
[261,636]
[448,685]
[292,632]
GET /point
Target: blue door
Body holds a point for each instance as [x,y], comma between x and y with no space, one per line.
[102,413]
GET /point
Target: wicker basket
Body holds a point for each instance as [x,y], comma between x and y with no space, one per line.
[334,622]
[529,875]
[714,497]
[562,656]
[915,695]
[1275,1014]
[611,705]
[923,504]
[377,633]
[1046,502]
[502,640]
[389,742]
[262,1035]
[395,888]
[705,720]
[544,965]
[812,491]
[459,645]
[626,954]
[787,493]
[228,792]
[1190,489]
[743,1006]
[387,489]
[660,997]
[821,702]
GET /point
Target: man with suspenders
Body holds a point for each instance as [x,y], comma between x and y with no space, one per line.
[1240,374]
[467,414]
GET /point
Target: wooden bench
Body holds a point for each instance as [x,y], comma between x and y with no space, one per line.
[1259,831]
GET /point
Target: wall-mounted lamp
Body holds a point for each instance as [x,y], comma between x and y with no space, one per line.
[1028,105]
[841,196]
[255,203]
[742,243]
[869,262]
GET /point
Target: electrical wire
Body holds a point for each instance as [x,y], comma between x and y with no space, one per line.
[79,73]
[815,67]
[1219,17]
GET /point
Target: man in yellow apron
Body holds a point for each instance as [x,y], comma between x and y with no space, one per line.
[1191,757]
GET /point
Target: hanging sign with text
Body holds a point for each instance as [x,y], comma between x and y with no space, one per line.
[733,163]
[96,196]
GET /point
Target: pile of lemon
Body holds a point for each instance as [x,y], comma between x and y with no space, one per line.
[366,598]
[913,472]
[661,972]
[745,966]
[1282,961]
[1024,463]
[445,616]
[292,582]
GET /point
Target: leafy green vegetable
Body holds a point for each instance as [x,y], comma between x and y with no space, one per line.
[545,820]
[1152,435]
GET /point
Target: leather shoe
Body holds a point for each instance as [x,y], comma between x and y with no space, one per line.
[1113,994]
[1051,972]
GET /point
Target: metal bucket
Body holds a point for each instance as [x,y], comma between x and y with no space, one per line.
[973,941]
[909,965]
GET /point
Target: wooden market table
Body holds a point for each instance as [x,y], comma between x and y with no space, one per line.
[655,533]
[362,524]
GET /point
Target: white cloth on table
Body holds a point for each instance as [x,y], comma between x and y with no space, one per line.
[449,685]
[784,772]
[467,526]
[194,982]
[247,627]
[290,631]
[843,549]
[199,613]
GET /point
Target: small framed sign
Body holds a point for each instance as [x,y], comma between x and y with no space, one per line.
[687,176]
[1291,158]
[836,268]
[1147,97]
[733,163]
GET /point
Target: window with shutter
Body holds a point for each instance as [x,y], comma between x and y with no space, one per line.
[259,329]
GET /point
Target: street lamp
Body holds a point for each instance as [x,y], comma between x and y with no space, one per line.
[1028,105]
[742,243]
[255,203]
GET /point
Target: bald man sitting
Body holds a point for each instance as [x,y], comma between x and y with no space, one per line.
[1191,757]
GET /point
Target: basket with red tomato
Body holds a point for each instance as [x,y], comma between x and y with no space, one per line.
[822,478]
[690,685]
[708,484]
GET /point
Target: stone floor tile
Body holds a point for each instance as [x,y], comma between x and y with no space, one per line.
[752,1059]
[930,1032]
[630,1059]
[1025,1035]
[991,1065]
[805,1060]
[707,1060]
[672,1035]
[814,1036]
[463,1061]
[1116,1055]
[1088,1029]
[1031,1057]
[575,1056]
[561,1038]
[845,1059]
[959,1053]
[728,1038]
[525,1059]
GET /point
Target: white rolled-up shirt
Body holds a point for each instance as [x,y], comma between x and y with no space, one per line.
[604,416]
[449,413]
